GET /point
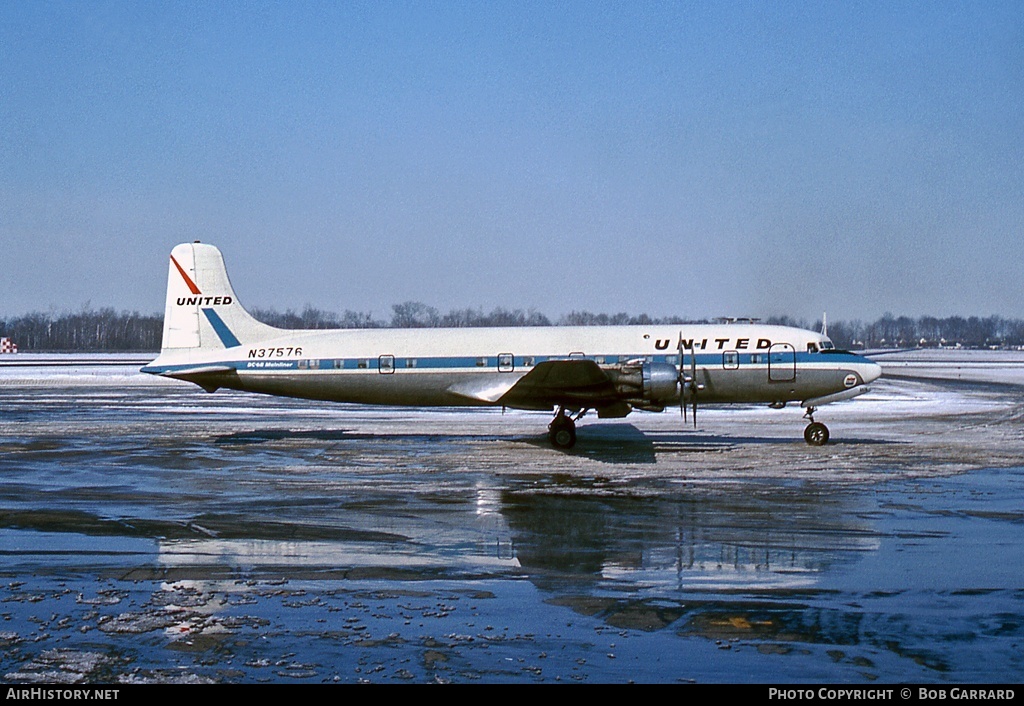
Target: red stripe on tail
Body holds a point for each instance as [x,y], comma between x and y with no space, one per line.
[188,280]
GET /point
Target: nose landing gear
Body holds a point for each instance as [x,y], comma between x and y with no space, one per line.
[816,433]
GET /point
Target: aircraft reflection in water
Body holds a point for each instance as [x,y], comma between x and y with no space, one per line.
[718,540]
[714,541]
[210,340]
[668,547]
[715,564]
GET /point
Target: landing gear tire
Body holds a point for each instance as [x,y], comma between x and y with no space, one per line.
[562,432]
[816,434]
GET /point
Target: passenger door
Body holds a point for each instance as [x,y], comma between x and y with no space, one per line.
[781,363]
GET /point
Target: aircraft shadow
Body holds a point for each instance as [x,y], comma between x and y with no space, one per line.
[624,443]
[608,443]
[264,435]
[731,440]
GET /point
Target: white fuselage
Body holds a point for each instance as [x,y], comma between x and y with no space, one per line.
[441,367]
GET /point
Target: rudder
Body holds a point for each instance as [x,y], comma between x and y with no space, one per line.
[202,310]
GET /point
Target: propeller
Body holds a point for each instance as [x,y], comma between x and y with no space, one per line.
[688,383]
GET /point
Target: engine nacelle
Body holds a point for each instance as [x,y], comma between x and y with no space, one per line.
[645,384]
[661,382]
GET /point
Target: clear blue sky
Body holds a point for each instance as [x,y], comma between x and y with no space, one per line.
[689,158]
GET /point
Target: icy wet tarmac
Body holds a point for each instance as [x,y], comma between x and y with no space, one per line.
[150,532]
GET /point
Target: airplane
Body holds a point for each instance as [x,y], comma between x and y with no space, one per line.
[210,340]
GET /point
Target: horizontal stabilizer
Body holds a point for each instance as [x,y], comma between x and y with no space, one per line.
[182,372]
[208,377]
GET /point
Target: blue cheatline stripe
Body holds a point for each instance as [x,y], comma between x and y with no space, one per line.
[222,330]
[709,361]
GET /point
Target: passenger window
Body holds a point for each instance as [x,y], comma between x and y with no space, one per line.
[386,364]
[730,360]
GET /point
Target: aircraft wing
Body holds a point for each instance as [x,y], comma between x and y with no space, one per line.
[484,388]
[579,383]
[550,383]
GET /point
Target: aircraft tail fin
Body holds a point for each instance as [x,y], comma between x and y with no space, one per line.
[202,311]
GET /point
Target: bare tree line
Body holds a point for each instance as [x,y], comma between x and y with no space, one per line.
[891,331]
[87,330]
[109,330]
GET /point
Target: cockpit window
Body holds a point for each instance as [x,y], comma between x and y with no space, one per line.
[812,347]
[827,345]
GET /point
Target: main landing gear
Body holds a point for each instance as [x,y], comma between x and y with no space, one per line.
[816,433]
[562,429]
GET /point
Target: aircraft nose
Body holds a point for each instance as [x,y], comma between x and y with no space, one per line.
[870,371]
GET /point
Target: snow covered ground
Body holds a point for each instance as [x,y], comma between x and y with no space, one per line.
[75,369]
[1005,367]
[154,532]
[933,411]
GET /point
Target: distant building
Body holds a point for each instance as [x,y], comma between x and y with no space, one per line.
[8,346]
